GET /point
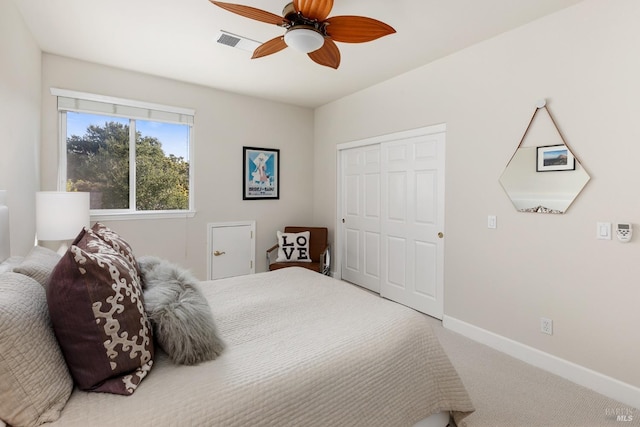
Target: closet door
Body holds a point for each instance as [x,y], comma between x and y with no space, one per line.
[231,248]
[361,216]
[412,222]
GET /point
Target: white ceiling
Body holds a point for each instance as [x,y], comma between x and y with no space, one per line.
[177,39]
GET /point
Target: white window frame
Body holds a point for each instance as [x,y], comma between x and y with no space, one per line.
[83,102]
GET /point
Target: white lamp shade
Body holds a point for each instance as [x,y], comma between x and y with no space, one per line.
[303,39]
[60,215]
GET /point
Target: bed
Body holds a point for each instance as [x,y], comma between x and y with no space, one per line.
[301,349]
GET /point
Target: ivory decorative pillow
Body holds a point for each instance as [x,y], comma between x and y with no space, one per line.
[38,264]
[293,247]
[34,381]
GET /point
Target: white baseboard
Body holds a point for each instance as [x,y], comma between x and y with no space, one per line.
[605,385]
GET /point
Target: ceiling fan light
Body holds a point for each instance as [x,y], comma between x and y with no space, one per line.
[304,39]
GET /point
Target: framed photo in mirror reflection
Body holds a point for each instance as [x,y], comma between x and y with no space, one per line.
[554,158]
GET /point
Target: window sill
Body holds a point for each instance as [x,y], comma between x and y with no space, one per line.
[141,215]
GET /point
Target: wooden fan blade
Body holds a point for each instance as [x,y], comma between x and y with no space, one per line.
[356,29]
[328,55]
[251,12]
[269,47]
[314,9]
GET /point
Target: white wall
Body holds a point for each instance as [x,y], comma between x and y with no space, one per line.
[20,124]
[224,123]
[584,61]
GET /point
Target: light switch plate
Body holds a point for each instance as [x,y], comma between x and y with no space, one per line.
[603,230]
[492,221]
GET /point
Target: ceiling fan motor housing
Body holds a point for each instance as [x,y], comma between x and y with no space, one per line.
[304,38]
[289,12]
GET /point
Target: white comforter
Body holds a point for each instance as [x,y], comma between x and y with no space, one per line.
[302,349]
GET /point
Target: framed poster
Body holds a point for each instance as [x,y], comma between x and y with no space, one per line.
[554,158]
[260,173]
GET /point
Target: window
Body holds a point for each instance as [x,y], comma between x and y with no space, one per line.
[134,158]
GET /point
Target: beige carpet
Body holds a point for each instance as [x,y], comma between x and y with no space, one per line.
[509,393]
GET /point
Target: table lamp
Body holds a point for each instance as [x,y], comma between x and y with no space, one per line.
[60,216]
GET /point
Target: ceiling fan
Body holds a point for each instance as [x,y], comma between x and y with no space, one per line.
[310,30]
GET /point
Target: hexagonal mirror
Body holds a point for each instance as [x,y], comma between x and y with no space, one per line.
[543,179]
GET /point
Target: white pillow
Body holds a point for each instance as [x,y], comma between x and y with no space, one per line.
[35,383]
[8,265]
[293,247]
[38,264]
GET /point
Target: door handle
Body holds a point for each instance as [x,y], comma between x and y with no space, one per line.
[218,253]
[441,234]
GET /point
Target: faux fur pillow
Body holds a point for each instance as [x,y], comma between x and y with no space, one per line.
[180,315]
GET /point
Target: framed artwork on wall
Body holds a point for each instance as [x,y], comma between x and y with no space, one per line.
[554,158]
[260,173]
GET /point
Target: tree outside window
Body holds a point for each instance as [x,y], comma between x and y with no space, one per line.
[107,156]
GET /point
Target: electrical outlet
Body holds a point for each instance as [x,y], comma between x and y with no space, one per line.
[546,326]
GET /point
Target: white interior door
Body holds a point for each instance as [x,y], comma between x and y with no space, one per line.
[231,249]
[361,216]
[412,222]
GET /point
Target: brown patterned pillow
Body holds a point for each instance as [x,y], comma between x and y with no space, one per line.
[97,310]
[114,240]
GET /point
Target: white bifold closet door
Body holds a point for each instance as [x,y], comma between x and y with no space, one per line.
[393,219]
[361,216]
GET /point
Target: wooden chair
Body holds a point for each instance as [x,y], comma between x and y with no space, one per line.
[318,251]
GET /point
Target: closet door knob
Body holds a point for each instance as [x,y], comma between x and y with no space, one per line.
[218,253]
[441,235]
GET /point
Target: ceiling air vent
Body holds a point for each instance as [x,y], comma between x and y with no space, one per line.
[228,40]
[239,42]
